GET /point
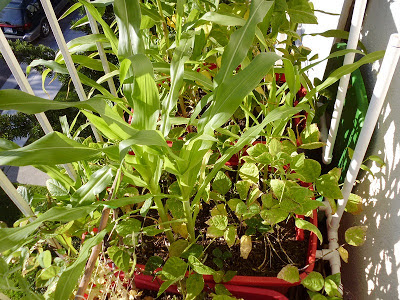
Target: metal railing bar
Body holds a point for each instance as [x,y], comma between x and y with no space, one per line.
[23,83]
[62,45]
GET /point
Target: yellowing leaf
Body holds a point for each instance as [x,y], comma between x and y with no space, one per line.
[289,273]
[356,235]
[245,246]
[344,254]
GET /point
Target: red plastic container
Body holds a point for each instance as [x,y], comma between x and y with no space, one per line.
[245,292]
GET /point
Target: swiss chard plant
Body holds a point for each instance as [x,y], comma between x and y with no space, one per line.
[196,87]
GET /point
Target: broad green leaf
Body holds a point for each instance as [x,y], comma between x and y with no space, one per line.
[308,171]
[327,186]
[128,18]
[128,226]
[257,150]
[354,204]
[332,283]
[249,172]
[219,221]
[199,267]
[220,289]
[303,224]
[289,273]
[177,248]
[222,19]
[55,188]
[230,93]
[300,11]
[356,235]
[243,187]
[49,272]
[273,216]
[194,286]
[120,257]
[97,183]
[10,237]
[229,276]
[174,268]
[221,183]
[278,187]
[69,278]
[91,63]
[44,259]
[230,235]
[240,41]
[314,281]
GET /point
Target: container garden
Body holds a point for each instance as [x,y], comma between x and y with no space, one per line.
[128,182]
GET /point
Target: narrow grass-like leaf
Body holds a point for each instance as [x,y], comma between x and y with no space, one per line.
[181,55]
[230,93]
[241,40]
[108,32]
[52,149]
[99,180]
[10,237]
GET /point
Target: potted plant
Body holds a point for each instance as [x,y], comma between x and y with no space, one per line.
[156,175]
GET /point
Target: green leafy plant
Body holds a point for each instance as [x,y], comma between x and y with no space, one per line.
[197,80]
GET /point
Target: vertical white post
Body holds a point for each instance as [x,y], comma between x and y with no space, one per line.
[102,54]
[10,190]
[356,22]
[22,81]
[383,80]
[55,27]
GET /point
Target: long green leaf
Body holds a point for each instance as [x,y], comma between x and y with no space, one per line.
[346,69]
[52,149]
[143,137]
[99,180]
[231,92]
[181,55]
[128,18]
[241,40]
[10,237]
[106,28]
[69,278]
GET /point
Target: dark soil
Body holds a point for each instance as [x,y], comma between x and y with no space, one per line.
[270,252]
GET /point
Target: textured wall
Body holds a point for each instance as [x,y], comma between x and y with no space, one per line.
[374,269]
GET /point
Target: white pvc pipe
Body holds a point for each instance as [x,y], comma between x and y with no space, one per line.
[102,54]
[55,27]
[331,254]
[22,81]
[19,76]
[383,80]
[344,15]
[356,22]
[10,190]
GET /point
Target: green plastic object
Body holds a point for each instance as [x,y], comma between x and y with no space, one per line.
[353,115]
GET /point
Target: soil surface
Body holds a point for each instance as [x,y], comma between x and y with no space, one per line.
[270,251]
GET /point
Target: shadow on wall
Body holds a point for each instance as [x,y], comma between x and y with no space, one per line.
[374,268]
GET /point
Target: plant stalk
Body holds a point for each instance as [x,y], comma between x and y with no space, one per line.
[96,249]
[164,27]
[190,224]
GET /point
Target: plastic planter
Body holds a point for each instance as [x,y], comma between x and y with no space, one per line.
[245,292]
